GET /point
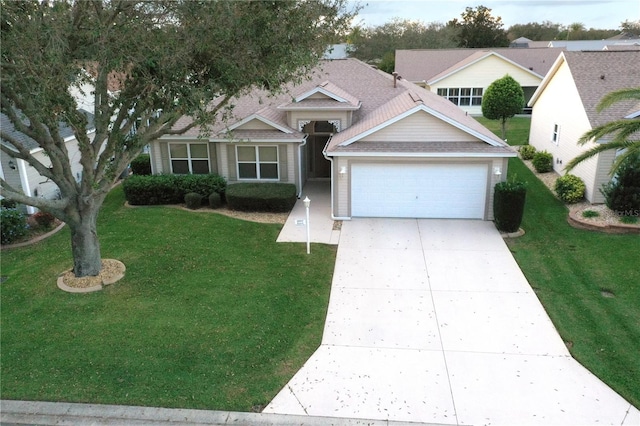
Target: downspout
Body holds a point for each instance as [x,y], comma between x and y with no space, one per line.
[304,142]
[324,154]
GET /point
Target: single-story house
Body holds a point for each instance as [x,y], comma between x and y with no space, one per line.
[463,75]
[21,175]
[389,147]
[564,108]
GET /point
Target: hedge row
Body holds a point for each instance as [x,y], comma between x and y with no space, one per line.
[264,197]
[170,189]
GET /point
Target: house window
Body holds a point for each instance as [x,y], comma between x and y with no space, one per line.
[555,136]
[463,96]
[257,162]
[189,158]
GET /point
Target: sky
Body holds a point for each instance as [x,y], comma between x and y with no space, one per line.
[600,14]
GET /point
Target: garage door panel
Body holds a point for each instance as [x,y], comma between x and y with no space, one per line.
[423,191]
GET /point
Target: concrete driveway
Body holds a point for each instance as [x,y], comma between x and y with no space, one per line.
[432,321]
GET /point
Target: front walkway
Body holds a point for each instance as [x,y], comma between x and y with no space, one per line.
[321,224]
[433,321]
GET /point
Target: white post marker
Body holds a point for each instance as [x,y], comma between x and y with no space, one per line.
[307,202]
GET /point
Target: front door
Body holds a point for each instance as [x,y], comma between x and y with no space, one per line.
[319,167]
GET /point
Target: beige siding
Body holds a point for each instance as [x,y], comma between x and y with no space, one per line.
[255,125]
[482,74]
[420,127]
[342,184]
[560,104]
[602,176]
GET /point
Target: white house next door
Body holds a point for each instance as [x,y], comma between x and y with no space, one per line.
[455,190]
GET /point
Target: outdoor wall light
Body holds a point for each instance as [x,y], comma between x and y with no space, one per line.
[497,171]
[12,165]
[343,170]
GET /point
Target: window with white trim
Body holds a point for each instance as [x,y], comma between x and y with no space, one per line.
[555,135]
[257,162]
[189,158]
[462,96]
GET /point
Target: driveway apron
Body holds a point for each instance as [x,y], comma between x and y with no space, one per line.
[432,321]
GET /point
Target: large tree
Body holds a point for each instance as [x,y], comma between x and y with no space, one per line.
[503,99]
[619,135]
[167,58]
[478,28]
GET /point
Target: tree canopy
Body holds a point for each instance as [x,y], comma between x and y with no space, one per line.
[478,28]
[503,99]
[148,63]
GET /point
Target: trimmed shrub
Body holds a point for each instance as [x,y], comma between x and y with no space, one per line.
[193,200]
[542,161]
[570,188]
[141,165]
[527,152]
[13,225]
[262,197]
[44,219]
[622,194]
[508,205]
[215,201]
[169,189]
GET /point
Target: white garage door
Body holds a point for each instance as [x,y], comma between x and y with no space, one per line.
[456,191]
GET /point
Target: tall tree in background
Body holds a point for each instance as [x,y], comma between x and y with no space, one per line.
[503,99]
[544,31]
[172,58]
[378,44]
[478,28]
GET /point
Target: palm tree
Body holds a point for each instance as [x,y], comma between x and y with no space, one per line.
[625,132]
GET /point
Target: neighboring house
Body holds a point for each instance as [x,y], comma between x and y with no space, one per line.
[564,108]
[389,147]
[581,45]
[21,175]
[463,75]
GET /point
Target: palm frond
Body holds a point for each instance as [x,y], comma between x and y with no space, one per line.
[618,96]
[621,129]
[628,145]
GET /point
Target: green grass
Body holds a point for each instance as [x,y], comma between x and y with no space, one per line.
[569,269]
[517,128]
[212,313]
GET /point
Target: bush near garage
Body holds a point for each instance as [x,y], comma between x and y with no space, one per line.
[570,188]
[215,201]
[542,161]
[170,189]
[622,194]
[527,152]
[141,165]
[13,225]
[508,205]
[44,219]
[261,197]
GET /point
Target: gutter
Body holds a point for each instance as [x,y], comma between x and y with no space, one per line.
[330,159]
[304,142]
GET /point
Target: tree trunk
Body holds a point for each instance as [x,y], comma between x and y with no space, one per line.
[85,246]
[504,128]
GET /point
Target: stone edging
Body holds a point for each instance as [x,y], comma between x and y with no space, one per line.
[34,240]
[64,287]
[575,221]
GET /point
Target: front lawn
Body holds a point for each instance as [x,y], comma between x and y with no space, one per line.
[212,313]
[589,284]
[517,128]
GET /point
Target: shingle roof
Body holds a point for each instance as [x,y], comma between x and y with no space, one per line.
[600,72]
[379,101]
[427,64]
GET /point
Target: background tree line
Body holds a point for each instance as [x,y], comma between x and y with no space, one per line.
[475,28]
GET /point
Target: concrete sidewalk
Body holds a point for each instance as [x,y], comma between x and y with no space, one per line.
[60,413]
[433,321]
